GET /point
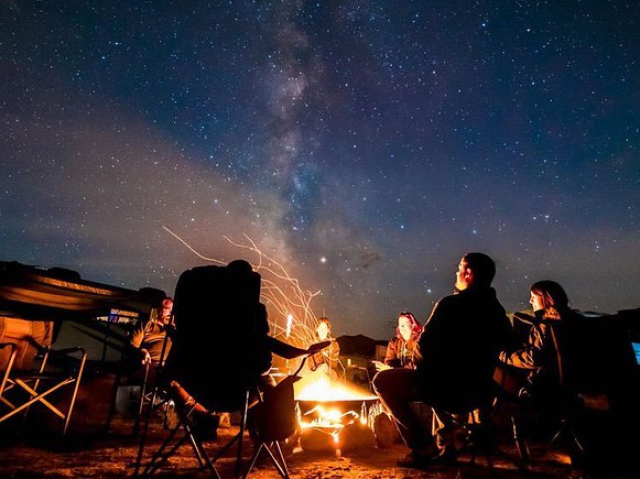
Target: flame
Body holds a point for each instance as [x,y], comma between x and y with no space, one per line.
[326,418]
[324,390]
[333,418]
[289,324]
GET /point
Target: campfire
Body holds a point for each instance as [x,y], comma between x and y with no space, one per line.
[335,416]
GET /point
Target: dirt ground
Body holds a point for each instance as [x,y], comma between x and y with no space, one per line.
[114,456]
[84,454]
[89,451]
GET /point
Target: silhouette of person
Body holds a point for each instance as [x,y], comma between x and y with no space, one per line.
[240,341]
[456,357]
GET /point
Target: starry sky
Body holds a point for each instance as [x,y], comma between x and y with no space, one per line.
[366,145]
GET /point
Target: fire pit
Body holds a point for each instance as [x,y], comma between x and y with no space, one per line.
[336,416]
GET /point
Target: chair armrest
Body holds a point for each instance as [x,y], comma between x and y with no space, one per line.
[12,354]
[7,345]
[287,351]
[67,352]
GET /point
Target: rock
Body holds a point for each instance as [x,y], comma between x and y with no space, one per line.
[356,436]
[318,439]
[386,433]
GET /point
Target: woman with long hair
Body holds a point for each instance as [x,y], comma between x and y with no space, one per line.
[401,348]
[327,361]
[548,355]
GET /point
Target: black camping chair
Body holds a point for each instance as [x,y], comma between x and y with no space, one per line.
[483,431]
[33,374]
[562,408]
[132,373]
[223,303]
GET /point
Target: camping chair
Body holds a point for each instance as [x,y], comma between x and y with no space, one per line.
[222,303]
[563,409]
[132,373]
[151,397]
[24,344]
[147,395]
[483,429]
[566,419]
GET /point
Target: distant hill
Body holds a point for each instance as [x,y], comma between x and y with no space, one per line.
[359,345]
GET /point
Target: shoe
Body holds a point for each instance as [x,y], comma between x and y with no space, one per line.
[206,427]
[225,420]
[443,459]
[413,460]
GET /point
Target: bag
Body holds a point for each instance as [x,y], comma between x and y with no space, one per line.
[275,416]
[510,380]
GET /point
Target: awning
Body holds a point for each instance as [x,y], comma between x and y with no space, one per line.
[59,293]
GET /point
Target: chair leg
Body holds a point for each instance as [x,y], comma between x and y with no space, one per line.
[282,469]
[521,445]
[243,428]
[165,451]
[143,439]
[481,440]
[75,393]
[143,398]
[198,450]
[560,432]
[577,450]
[160,455]
[112,406]
[277,459]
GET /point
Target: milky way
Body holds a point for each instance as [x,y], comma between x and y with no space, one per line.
[364,144]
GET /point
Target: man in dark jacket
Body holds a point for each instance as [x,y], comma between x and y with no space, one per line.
[457,354]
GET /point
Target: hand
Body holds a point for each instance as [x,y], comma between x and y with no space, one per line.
[380,366]
[146,357]
[315,347]
[525,318]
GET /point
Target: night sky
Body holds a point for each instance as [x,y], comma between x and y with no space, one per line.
[364,144]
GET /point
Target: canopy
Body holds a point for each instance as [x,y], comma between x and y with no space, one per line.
[58,293]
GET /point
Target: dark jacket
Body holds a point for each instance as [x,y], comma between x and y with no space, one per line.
[458,350]
[551,356]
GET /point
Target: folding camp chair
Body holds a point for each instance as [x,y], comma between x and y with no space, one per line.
[482,436]
[143,393]
[223,303]
[32,372]
[563,409]
[132,373]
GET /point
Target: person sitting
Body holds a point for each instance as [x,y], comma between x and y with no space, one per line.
[325,362]
[240,337]
[456,357]
[401,348]
[148,339]
[148,348]
[549,356]
[400,354]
